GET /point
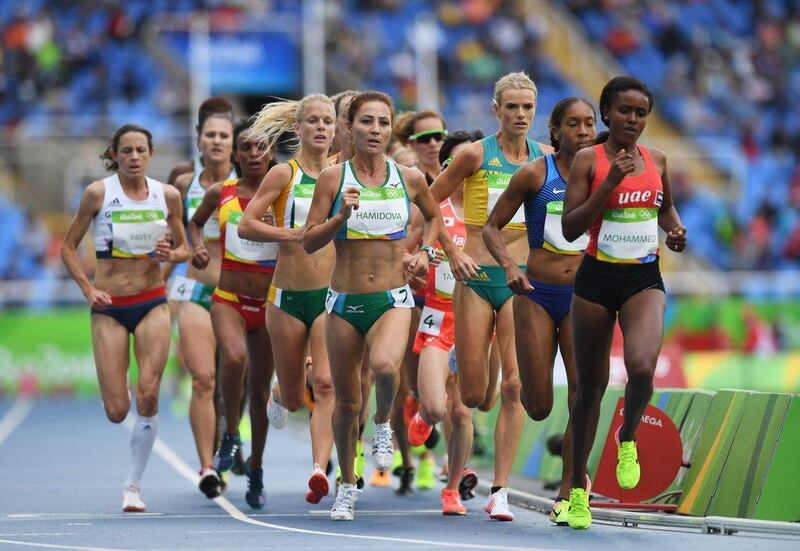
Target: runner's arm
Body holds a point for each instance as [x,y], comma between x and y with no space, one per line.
[320,229]
[253,226]
[668,219]
[176,250]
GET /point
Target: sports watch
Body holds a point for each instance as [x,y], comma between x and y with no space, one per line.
[428,249]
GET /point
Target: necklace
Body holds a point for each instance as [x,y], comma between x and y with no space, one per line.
[607,147]
[370,172]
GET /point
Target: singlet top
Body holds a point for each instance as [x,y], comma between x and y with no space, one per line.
[194,196]
[543,215]
[626,231]
[126,228]
[241,255]
[484,187]
[291,208]
[441,282]
[383,211]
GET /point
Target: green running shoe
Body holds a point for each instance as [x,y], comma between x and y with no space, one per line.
[628,470]
[579,517]
[397,463]
[426,480]
[560,512]
[359,463]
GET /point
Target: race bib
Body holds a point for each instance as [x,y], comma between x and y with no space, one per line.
[430,322]
[445,281]
[303,194]
[382,214]
[554,239]
[402,297]
[135,233]
[497,182]
[330,300]
[245,250]
[182,289]
[628,235]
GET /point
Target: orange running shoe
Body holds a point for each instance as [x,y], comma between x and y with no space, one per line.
[380,479]
[410,409]
[451,503]
[418,431]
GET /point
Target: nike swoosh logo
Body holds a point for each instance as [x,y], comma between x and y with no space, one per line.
[559,190]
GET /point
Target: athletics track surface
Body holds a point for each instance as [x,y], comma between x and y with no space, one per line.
[62,466]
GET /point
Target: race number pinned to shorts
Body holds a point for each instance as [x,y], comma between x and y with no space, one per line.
[330,300]
[430,322]
[402,297]
[182,289]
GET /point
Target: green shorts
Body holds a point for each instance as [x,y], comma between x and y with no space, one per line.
[303,305]
[491,286]
[362,311]
[185,289]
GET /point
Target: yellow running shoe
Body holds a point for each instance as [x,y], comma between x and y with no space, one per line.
[359,463]
[397,462]
[628,470]
[579,517]
[426,480]
[560,512]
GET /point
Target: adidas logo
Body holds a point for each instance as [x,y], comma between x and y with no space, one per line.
[495,162]
[115,203]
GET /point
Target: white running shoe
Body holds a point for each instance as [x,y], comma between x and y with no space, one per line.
[382,446]
[276,413]
[317,485]
[497,506]
[131,500]
[345,504]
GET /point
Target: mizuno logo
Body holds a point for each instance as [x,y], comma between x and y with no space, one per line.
[355,309]
[559,190]
[495,162]
[115,203]
[394,185]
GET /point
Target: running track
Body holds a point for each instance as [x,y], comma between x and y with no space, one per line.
[63,465]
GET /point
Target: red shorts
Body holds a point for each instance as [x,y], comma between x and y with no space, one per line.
[436,328]
[252,310]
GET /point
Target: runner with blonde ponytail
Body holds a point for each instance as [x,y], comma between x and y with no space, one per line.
[298,290]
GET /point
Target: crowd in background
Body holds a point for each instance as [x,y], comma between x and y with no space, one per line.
[726,72]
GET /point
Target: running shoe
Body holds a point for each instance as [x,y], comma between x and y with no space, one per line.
[559,514]
[418,430]
[426,480]
[497,506]
[210,484]
[226,454]
[317,485]
[382,446]
[468,483]
[433,438]
[238,468]
[380,479]
[254,496]
[359,479]
[579,516]
[410,409]
[132,500]
[628,469]
[345,503]
[406,487]
[451,503]
[276,413]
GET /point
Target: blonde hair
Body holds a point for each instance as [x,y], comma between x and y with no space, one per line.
[405,122]
[274,119]
[513,81]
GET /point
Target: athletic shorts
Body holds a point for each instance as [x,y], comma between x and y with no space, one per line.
[555,299]
[306,306]
[253,310]
[362,311]
[611,285]
[491,286]
[184,289]
[128,311]
[437,327]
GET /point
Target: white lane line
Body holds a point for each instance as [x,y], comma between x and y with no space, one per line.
[175,461]
[33,534]
[62,546]
[15,415]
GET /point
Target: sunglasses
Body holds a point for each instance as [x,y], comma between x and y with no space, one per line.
[429,135]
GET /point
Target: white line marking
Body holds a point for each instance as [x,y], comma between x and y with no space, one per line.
[32,534]
[15,415]
[61,546]
[175,461]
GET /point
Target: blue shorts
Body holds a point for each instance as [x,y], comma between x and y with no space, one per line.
[128,311]
[555,299]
